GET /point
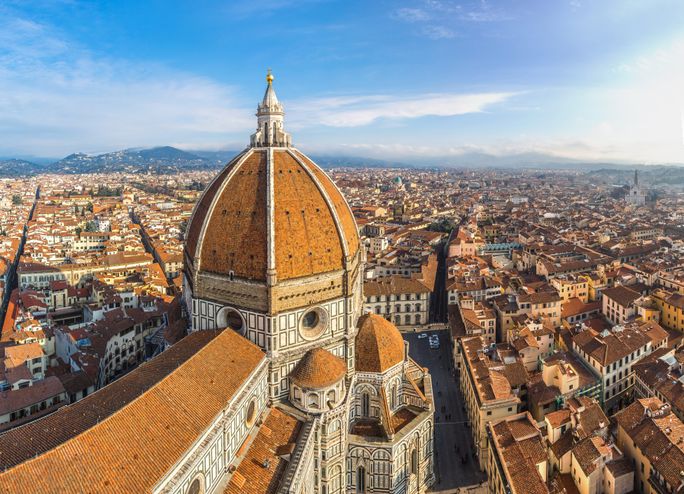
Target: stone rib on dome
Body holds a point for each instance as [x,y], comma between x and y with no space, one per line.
[271,214]
[379,345]
[317,369]
[313,227]
[234,234]
[347,221]
[202,207]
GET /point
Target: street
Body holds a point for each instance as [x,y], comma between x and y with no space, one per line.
[452,437]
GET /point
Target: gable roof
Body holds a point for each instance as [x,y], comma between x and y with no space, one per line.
[134,430]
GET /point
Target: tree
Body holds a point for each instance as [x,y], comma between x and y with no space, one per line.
[16,200]
[443,225]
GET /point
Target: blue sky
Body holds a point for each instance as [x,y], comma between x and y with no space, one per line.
[599,79]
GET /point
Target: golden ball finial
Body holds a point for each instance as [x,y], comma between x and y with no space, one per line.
[269,77]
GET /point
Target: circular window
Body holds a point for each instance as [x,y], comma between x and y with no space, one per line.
[251,413]
[312,323]
[230,318]
[196,487]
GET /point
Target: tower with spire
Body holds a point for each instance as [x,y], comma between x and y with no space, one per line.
[270,113]
[636,196]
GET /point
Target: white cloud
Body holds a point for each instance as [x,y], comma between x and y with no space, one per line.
[364,110]
[411,14]
[56,98]
[437,19]
[639,113]
[438,32]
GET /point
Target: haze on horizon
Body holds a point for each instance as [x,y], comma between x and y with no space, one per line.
[386,79]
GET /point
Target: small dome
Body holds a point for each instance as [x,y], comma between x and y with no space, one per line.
[318,369]
[379,344]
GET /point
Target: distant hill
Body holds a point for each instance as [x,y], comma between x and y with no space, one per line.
[17,168]
[164,159]
[357,162]
[167,159]
[220,158]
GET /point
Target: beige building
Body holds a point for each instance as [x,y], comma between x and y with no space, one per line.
[571,287]
[486,391]
[479,319]
[650,435]
[404,301]
[619,304]
[613,353]
[517,459]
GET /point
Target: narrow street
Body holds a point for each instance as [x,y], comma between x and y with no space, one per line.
[438,306]
[452,437]
[12,277]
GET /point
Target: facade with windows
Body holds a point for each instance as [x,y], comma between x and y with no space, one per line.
[402,309]
[611,354]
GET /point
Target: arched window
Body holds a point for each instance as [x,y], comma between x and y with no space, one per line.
[335,479]
[418,319]
[365,405]
[414,462]
[407,308]
[360,480]
[393,397]
[407,319]
[312,400]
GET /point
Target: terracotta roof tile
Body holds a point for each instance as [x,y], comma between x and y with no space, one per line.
[379,344]
[306,237]
[351,231]
[262,468]
[318,368]
[134,446]
[235,236]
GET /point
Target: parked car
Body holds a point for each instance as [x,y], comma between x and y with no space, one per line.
[422,335]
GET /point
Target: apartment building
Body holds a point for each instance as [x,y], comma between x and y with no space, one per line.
[611,354]
[618,304]
[571,287]
[651,436]
[517,458]
[671,306]
[487,393]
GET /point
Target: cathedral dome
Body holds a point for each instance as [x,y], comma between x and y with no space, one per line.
[379,345]
[271,212]
[318,369]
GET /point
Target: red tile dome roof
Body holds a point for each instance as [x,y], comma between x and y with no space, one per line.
[318,368]
[379,345]
[313,228]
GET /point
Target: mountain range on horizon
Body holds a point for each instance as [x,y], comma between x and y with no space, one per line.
[168,159]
